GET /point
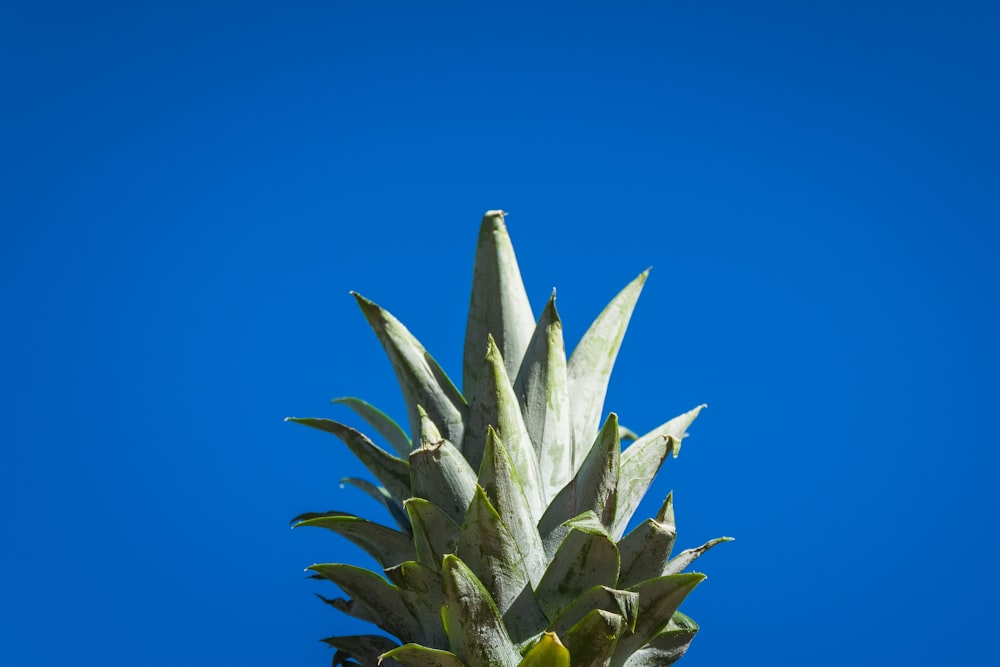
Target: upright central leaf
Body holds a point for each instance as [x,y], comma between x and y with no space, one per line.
[543,391]
[498,305]
[496,405]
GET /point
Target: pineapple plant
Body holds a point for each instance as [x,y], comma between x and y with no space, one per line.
[512,498]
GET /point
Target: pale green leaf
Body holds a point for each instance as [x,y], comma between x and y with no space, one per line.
[667,647]
[675,428]
[381,422]
[679,562]
[415,655]
[434,533]
[425,603]
[392,472]
[496,405]
[591,642]
[613,600]
[476,632]
[542,389]
[593,487]
[389,547]
[420,377]
[490,550]
[646,550]
[498,305]
[547,652]
[440,474]
[587,557]
[658,600]
[499,478]
[383,600]
[589,367]
[366,649]
[642,460]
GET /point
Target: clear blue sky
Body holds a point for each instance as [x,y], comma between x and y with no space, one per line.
[189,190]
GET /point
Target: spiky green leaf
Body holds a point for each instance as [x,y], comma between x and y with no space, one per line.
[593,488]
[667,647]
[489,549]
[675,428]
[415,655]
[476,632]
[613,600]
[498,305]
[658,600]
[496,405]
[587,557]
[646,550]
[389,547]
[425,603]
[590,365]
[384,601]
[383,424]
[542,389]
[642,460]
[498,476]
[441,475]
[420,377]
[392,472]
[547,652]
[592,641]
[679,562]
[434,533]
[366,649]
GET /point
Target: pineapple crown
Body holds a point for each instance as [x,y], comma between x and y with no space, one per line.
[512,499]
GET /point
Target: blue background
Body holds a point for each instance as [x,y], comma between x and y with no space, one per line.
[190,190]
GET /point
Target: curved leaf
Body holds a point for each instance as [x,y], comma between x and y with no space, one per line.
[589,367]
[658,600]
[587,557]
[415,655]
[366,649]
[498,304]
[420,377]
[382,495]
[389,547]
[392,472]
[675,428]
[384,601]
[548,652]
[434,533]
[542,389]
[476,633]
[496,405]
[688,556]
[642,460]
[667,647]
[499,479]
[384,425]
[349,607]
